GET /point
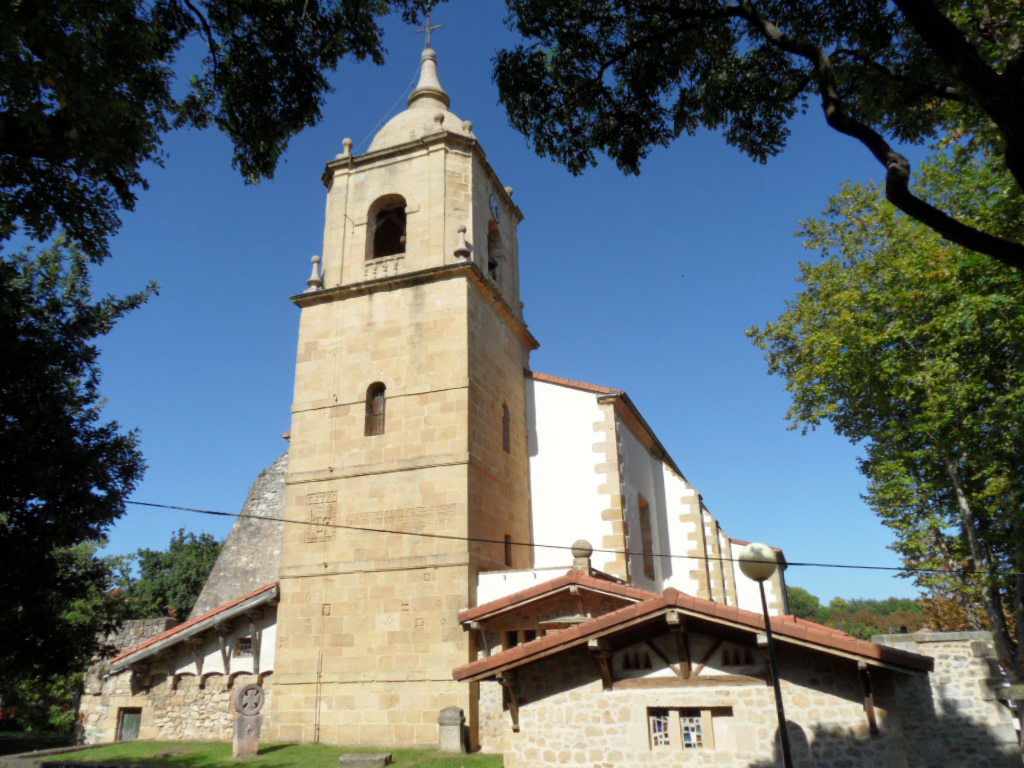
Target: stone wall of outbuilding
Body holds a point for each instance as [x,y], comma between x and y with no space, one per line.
[186,712]
[962,696]
[568,720]
[134,631]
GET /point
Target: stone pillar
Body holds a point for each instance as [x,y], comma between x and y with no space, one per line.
[451,730]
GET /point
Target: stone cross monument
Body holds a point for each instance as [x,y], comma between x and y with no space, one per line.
[248,721]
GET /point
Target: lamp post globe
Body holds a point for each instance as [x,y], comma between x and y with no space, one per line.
[758,561]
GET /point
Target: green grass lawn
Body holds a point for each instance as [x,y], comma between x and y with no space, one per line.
[197,754]
[19,741]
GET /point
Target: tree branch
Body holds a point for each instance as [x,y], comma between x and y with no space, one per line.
[897,167]
[915,89]
[211,40]
[999,97]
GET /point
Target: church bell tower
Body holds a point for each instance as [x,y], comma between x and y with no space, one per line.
[408,472]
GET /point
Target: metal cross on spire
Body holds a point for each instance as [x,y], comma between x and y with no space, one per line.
[427,30]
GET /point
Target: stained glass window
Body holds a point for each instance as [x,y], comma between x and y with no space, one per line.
[659,722]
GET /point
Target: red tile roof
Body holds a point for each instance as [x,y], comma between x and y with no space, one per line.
[573,383]
[573,576]
[784,627]
[190,623]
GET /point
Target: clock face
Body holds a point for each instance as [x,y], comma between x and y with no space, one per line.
[495,209]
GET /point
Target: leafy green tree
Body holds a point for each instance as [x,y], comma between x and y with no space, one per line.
[914,348]
[87,91]
[802,603]
[622,77]
[44,691]
[65,473]
[859,617]
[170,581]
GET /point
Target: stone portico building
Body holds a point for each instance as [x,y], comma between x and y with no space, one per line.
[430,471]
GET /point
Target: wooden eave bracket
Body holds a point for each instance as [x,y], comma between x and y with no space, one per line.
[508,681]
[481,637]
[599,648]
[683,673]
[707,657]
[677,626]
[869,696]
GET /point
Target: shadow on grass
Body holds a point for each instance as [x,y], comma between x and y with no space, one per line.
[13,742]
[218,755]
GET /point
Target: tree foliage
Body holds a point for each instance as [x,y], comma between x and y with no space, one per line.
[859,617]
[43,691]
[65,471]
[622,77]
[170,580]
[915,348]
[87,90]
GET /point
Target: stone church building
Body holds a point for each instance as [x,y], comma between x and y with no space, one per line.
[434,487]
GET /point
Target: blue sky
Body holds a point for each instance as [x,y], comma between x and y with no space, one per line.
[643,283]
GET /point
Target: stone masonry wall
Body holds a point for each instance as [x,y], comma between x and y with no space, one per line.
[168,714]
[134,631]
[961,695]
[567,720]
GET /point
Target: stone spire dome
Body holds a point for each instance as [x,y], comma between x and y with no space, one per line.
[427,112]
[429,86]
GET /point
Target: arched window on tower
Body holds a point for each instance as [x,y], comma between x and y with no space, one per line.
[506,429]
[388,218]
[375,409]
[493,250]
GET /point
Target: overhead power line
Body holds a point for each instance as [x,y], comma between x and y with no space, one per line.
[481,540]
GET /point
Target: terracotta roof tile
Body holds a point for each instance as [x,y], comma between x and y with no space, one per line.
[190,623]
[783,627]
[573,383]
[573,576]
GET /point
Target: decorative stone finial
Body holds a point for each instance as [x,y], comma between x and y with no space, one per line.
[462,249]
[581,552]
[467,126]
[509,191]
[316,277]
[347,144]
[429,86]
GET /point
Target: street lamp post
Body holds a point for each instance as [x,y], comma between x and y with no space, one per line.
[759,562]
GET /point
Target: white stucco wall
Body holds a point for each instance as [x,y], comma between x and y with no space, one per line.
[491,585]
[643,475]
[565,455]
[182,661]
[747,591]
[679,495]
[564,481]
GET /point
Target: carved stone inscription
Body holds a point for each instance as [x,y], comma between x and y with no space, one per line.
[321,509]
[412,519]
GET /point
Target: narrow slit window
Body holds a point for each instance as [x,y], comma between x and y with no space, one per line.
[375,409]
[506,429]
[508,550]
[646,538]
